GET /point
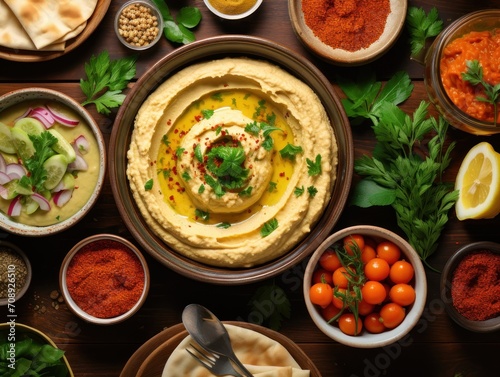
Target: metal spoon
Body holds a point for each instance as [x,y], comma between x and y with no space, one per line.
[206,329]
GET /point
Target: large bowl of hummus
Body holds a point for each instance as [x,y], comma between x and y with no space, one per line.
[231,159]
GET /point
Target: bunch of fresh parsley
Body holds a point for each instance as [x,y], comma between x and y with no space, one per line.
[404,171]
[106,79]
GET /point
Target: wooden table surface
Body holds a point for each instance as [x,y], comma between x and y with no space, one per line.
[438,346]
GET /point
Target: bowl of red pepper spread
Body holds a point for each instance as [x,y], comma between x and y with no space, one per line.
[348,32]
[104,279]
[470,286]
[462,72]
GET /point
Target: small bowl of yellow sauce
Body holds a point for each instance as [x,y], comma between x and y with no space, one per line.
[233,9]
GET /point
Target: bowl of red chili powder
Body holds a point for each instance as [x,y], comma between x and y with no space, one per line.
[470,286]
[348,32]
[467,48]
[104,279]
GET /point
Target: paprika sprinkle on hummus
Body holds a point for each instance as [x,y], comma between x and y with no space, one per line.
[346,24]
[105,279]
[480,46]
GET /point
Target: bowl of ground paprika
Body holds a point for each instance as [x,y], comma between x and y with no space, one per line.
[470,286]
[104,279]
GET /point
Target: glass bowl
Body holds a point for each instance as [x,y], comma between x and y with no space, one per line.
[483,20]
[154,12]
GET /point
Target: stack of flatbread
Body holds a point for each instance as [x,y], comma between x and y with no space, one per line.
[42,24]
[261,355]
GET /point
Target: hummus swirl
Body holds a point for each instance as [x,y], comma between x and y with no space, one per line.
[232,161]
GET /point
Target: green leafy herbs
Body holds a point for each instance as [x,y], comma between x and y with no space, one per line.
[179,30]
[365,95]
[474,75]
[314,167]
[276,302]
[422,26]
[105,81]
[33,358]
[405,172]
[226,163]
[269,227]
[290,151]
[43,150]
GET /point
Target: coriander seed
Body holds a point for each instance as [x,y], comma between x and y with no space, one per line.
[10,261]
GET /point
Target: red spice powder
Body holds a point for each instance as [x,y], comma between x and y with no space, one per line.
[475,286]
[105,279]
[346,24]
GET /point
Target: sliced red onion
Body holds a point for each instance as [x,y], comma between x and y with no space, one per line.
[3,164]
[4,193]
[62,197]
[15,207]
[81,144]
[15,171]
[4,178]
[61,118]
[42,202]
[26,113]
[43,115]
[79,164]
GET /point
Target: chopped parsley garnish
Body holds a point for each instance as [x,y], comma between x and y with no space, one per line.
[223,225]
[226,163]
[207,114]
[290,151]
[272,186]
[312,191]
[197,153]
[148,185]
[314,167]
[269,227]
[298,191]
[202,214]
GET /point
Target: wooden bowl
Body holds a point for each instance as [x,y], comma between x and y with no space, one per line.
[15,249]
[208,49]
[149,360]
[392,30]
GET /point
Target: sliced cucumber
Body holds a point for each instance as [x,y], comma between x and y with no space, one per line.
[6,144]
[63,146]
[55,166]
[30,125]
[22,143]
[14,188]
[30,206]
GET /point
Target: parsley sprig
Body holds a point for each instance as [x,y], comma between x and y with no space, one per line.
[422,26]
[474,75]
[106,79]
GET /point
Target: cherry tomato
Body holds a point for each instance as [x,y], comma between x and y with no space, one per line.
[329,260]
[389,251]
[402,294]
[377,269]
[368,253]
[352,240]
[322,276]
[329,312]
[321,294]
[365,308]
[347,324]
[392,315]
[340,277]
[338,300]
[401,272]
[373,292]
[373,324]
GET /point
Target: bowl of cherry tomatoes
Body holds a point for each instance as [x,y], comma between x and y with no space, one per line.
[365,287]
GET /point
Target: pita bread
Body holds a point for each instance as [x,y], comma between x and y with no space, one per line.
[263,357]
[51,21]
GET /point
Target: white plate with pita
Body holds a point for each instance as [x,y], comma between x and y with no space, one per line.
[49,29]
[164,354]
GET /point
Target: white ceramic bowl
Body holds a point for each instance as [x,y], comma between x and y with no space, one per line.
[237,16]
[337,56]
[154,12]
[72,305]
[366,339]
[10,246]
[20,96]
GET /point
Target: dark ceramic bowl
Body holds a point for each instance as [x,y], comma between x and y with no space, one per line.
[208,49]
[488,325]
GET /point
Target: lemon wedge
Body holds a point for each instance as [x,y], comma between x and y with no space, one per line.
[478,184]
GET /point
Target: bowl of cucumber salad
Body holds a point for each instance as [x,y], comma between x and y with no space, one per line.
[52,162]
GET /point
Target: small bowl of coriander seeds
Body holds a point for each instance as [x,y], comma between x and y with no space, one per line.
[138,24]
[15,273]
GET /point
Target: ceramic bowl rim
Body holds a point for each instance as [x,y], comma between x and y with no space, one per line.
[238,16]
[29,274]
[67,296]
[368,340]
[27,94]
[489,325]
[347,58]
[156,12]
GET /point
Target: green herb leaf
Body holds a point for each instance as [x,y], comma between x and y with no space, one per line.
[314,167]
[312,191]
[148,185]
[43,150]
[108,76]
[368,193]
[226,163]
[290,151]
[298,191]
[202,214]
[189,17]
[269,227]
[422,26]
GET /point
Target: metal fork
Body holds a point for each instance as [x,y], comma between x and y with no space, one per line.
[217,364]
